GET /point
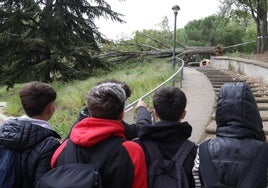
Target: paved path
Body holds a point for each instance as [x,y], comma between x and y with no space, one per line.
[200,101]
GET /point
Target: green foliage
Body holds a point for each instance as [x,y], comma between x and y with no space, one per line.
[257,10]
[204,32]
[214,30]
[48,40]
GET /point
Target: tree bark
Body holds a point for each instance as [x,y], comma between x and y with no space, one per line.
[261,22]
[183,53]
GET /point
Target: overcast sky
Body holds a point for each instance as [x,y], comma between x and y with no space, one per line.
[147,14]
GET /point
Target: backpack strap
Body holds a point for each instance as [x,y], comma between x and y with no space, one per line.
[258,164]
[153,150]
[183,151]
[210,178]
[179,159]
[105,149]
[70,154]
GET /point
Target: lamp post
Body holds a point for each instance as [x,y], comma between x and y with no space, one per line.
[175,9]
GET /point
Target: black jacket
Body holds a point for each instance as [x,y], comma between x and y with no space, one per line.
[239,135]
[36,144]
[169,135]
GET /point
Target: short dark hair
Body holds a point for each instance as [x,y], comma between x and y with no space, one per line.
[124,85]
[169,103]
[35,96]
[106,101]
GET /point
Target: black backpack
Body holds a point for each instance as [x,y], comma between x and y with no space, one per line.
[164,173]
[10,165]
[79,175]
[249,178]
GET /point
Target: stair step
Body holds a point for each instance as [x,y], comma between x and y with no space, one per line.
[218,76]
[264,115]
[261,99]
[211,127]
[220,80]
[262,105]
[259,89]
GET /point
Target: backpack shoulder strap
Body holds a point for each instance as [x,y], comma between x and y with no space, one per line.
[179,159]
[208,172]
[183,151]
[259,164]
[10,167]
[70,152]
[153,150]
[106,148]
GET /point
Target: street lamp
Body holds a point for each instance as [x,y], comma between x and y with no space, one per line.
[175,9]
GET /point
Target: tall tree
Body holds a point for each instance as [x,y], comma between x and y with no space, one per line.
[48,39]
[258,10]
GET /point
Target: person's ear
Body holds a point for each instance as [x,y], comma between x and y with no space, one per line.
[51,108]
[156,115]
[121,116]
[183,115]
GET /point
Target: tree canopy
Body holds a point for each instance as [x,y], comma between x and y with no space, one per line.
[258,11]
[50,39]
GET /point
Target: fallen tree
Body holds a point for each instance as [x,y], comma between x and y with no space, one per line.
[117,53]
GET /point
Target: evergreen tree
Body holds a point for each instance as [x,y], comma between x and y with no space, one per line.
[49,39]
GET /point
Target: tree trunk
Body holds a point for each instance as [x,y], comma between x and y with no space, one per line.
[261,22]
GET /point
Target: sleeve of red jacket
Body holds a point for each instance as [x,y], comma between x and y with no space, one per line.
[138,159]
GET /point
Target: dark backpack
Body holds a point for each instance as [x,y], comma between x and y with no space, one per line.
[10,165]
[79,175]
[163,173]
[249,178]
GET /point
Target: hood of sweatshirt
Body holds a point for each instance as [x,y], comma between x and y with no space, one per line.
[237,114]
[91,131]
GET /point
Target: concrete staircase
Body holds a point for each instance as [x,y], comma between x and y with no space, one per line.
[260,91]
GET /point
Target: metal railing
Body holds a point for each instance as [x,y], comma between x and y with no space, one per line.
[178,72]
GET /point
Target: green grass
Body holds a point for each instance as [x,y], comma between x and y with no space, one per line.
[141,77]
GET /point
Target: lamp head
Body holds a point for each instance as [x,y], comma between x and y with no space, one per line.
[176,8]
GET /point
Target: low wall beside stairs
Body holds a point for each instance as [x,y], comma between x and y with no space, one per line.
[254,69]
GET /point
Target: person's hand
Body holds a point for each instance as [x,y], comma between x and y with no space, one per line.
[141,103]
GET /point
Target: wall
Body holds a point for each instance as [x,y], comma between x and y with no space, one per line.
[251,68]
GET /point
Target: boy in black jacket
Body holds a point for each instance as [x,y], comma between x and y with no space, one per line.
[169,134]
[30,134]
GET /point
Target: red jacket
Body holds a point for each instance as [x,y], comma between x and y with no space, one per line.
[125,168]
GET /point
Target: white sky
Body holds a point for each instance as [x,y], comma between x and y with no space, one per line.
[147,14]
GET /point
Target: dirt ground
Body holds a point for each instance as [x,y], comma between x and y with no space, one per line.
[260,57]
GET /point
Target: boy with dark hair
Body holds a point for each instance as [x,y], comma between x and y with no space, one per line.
[169,139]
[143,115]
[30,134]
[125,167]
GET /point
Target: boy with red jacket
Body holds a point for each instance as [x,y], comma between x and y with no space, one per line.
[125,168]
